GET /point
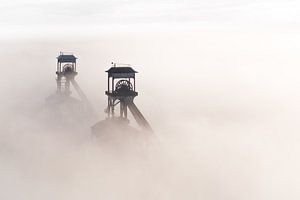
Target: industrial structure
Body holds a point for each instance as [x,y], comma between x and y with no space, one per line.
[66,72]
[62,109]
[66,111]
[121,91]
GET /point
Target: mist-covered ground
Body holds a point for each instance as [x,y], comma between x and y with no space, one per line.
[223,102]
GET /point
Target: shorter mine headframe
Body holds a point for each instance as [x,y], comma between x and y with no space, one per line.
[66,71]
[121,91]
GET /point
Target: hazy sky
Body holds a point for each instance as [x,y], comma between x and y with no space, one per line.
[20,16]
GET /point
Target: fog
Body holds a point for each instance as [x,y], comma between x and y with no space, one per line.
[223,103]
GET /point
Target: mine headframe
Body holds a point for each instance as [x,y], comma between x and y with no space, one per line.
[121,91]
[65,71]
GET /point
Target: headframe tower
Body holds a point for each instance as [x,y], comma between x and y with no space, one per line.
[121,91]
[65,71]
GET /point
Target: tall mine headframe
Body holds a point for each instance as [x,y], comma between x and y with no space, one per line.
[121,92]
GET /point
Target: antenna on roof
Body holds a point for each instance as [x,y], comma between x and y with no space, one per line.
[120,64]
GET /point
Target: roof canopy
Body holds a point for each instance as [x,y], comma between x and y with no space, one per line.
[121,72]
[66,58]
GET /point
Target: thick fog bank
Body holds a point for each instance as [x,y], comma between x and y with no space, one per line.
[223,104]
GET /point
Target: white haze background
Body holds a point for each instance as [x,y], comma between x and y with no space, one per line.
[218,81]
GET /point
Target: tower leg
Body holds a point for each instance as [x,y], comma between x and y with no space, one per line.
[113,108]
[108,107]
[58,83]
[67,87]
[121,109]
[125,110]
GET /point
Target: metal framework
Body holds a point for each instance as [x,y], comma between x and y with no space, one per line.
[66,71]
[122,93]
